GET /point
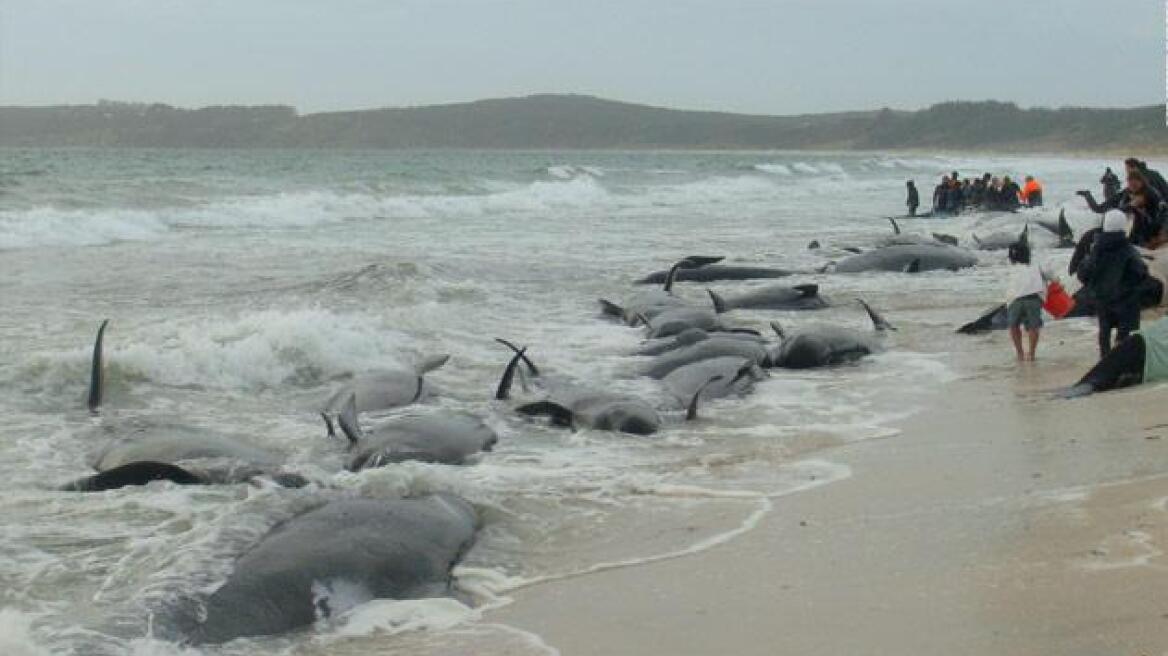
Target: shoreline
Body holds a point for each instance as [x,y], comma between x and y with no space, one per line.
[998,522]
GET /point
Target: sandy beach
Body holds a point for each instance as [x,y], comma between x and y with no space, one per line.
[998,522]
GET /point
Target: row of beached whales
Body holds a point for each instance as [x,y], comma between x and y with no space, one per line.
[407,548]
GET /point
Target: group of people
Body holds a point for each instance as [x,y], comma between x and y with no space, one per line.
[988,193]
[1121,271]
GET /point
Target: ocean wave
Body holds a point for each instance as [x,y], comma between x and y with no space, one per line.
[775,168]
[259,350]
[570,171]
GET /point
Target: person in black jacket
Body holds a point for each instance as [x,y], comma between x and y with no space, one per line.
[914,199]
[1110,182]
[1114,274]
[941,196]
[1009,194]
[1141,203]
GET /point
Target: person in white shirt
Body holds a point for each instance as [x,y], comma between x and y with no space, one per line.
[1025,294]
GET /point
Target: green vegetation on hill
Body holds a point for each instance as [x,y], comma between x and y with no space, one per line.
[569,121]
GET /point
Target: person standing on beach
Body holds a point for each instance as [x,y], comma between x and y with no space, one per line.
[1025,293]
[914,199]
[941,196]
[1114,275]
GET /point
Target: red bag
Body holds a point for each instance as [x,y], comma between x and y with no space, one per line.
[1058,302]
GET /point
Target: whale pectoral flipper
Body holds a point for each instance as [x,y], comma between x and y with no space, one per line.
[350,424]
[691,412]
[561,416]
[503,391]
[807,290]
[96,373]
[913,267]
[699,261]
[879,322]
[133,473]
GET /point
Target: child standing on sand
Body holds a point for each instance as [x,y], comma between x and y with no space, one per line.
[1025,294]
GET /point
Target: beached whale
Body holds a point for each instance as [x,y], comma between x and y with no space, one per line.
[144,449]
[439,437]
[648,304]
[898,238]
[690,336]
[678,320]
[712,379]
[716,272]
[909,258]
[713,347]
[773,297]
[323,563]
[573,405]
[386,389]
[825,345]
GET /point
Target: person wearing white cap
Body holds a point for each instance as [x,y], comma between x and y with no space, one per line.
[1114,275]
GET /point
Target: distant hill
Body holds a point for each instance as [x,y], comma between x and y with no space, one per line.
[571,121]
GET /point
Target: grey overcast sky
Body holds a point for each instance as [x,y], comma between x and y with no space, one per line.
[763,56]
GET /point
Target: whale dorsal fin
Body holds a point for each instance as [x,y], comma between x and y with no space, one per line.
[807,291]
[611,309]
[96,370]
[718,301]
[691,412]
[349,421]
[879,322]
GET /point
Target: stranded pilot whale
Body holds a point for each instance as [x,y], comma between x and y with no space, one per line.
[775,297]
[571,404]
[824,345]
[323,563]
[145,450]
[440,437]
[386,389]
[909,258]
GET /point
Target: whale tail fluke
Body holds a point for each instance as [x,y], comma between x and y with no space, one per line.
[330,430]
[560,415]
[349,421]
[719,302]
[503,391]
[522,352]
[96,371]
[880,323]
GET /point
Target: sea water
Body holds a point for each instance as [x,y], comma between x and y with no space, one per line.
[243,287]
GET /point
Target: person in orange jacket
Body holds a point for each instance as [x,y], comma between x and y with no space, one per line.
[1032,192]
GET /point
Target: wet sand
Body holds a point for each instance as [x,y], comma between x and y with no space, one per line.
[998,522]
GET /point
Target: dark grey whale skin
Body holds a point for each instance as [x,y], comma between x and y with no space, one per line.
[385,549]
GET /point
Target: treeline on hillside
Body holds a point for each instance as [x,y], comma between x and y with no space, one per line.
[568,121]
